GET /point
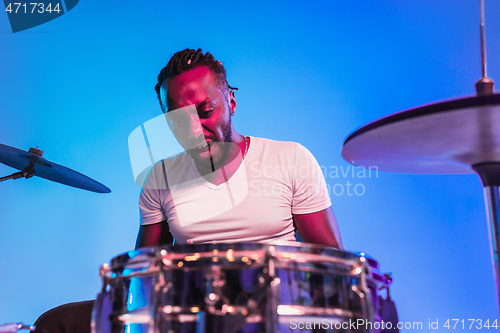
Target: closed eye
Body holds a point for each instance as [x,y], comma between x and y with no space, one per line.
[205,114]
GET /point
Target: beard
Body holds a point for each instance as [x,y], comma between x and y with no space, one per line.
[225,147]
[221,150]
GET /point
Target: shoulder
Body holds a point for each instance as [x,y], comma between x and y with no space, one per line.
[288,149]
[283,147]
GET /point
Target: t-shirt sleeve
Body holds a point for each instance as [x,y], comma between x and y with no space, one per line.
[150,207]
[310,192]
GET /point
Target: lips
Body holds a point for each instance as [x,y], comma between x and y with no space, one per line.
[203,147]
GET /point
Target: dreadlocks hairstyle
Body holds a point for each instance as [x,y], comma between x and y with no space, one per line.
[187,60]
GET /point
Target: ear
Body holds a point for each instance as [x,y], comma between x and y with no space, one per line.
[163,97]
[232,102]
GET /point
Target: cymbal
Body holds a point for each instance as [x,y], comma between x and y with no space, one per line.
[440,138]
[20,159]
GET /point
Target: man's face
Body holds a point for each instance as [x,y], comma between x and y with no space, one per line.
[199,114]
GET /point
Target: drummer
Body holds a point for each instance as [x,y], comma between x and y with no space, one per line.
[225,187]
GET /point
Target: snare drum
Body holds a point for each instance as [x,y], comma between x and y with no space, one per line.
[242,287]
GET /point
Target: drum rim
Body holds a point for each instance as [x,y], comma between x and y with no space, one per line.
[154,252]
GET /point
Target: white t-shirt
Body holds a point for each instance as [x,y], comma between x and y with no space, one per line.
[275,180]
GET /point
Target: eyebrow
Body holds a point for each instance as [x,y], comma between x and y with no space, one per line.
[207,100]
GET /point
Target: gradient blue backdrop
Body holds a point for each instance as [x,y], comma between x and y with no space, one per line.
[312,73]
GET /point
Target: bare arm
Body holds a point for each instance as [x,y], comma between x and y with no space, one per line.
[154,234]
[319,228]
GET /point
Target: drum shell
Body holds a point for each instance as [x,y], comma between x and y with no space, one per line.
[237,288]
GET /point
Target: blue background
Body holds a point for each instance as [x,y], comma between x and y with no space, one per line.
[312,73]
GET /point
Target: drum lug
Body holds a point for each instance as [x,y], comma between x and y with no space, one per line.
[212,299]
[103,273]
[215,300]
[388,282]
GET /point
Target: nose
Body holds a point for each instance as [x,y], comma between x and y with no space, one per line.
[195,130]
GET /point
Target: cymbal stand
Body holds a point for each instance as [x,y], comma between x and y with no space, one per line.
[29,171]
[490,176]
[14,327]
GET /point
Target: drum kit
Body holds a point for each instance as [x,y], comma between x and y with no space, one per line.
[247,287]
[241,287]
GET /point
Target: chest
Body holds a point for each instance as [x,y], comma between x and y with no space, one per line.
[256,200]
